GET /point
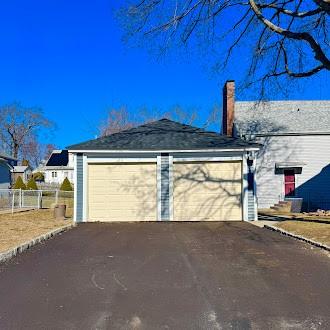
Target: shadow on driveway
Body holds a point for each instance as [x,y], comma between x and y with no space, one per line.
[167,276]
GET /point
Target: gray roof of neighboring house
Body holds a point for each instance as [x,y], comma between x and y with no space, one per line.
[58,158]
[4,156]
[283,117]
[20,169]
[163,134]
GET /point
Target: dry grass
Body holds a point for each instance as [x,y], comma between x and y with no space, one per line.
[21,227]
[293,216]
[319,232]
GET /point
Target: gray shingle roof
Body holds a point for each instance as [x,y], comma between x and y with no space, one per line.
[163,134]
[58,158]
[283,117]
[4,156]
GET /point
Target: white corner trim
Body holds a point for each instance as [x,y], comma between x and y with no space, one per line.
[255,187]
[245,189]
[75,189]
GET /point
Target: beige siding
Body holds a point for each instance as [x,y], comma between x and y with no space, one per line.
[122,192]
[207,191]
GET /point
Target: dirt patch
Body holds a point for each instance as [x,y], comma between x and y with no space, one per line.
[18,228]
[319,232]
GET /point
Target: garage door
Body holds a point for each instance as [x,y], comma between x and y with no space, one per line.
[207,191]
[122,192]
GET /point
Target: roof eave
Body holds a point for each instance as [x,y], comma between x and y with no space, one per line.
[248,148]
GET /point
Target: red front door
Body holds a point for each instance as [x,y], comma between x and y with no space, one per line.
[289,183]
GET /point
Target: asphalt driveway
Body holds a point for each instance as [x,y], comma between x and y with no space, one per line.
[167,276]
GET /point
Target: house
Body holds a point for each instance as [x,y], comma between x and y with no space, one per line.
[6,165]
[294,162]
[24,172]
[58,167]
[164,171]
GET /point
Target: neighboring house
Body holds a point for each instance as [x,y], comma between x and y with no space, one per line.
[6,165]
[24,172]
[58,167]
[294,161]
[164,171]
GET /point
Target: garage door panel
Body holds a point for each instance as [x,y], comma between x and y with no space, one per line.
[125,192]
[230,191]
[208,191]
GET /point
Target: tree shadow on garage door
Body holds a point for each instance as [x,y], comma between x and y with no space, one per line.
[207,191]
[199,192]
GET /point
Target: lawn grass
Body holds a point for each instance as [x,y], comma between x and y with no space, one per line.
[319,232]
[20,227]
[294,216]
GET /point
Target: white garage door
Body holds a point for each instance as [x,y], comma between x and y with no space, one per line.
[207,191]
[122,192]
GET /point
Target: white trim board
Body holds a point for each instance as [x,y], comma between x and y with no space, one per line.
[111,160]
[164,151]
[207,159]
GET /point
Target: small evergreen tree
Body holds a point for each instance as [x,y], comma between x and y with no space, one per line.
[66,185]
[31,185]
[38,176]
[19,184]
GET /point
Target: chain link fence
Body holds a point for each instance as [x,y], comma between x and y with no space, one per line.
[12,199]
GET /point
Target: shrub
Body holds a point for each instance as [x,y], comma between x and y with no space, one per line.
[31,185]
[25,162]
[66,185]
[19,184]
[38,176]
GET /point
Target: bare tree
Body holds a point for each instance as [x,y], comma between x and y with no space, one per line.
[35,152]
[20,127]
[283,38]
[119,119]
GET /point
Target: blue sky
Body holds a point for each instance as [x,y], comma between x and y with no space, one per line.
[67,58]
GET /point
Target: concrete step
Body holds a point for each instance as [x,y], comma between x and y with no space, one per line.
[277,208]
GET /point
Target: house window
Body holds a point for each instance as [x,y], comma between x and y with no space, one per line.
[289,183]
[54,174]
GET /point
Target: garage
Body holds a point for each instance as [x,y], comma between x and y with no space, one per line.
[164,171]
[122,192]
[207,191]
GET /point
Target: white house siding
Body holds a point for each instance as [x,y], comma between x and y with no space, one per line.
[313,184]
[60,176]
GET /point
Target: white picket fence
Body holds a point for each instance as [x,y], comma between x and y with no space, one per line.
[12,199]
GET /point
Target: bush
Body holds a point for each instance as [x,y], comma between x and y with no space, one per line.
[38,176]
[25,162]
[66,185]
[19,184]
[31,185]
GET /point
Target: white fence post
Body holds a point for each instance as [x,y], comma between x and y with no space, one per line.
[39,199]
[56,197]
[13,203]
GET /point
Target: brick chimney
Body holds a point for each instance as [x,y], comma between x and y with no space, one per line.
[228,107]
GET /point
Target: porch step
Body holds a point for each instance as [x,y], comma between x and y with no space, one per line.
[282,206]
